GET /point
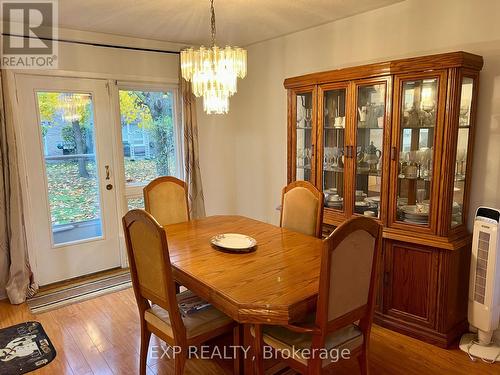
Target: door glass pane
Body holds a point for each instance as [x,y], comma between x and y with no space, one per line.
[333,152]
[67,129]
[369,144]
[148,135]
[462,145]
[418,122]
[304,133]
[135,202]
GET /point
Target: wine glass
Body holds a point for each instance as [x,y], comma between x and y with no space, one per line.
[403,160]
[328,158]
[412,168]
[464,115]
[337,152]
[421,193]
[300,157]
[461,156]
[300,112]
[428,108]
[308,117]
[423,155]
[307,157]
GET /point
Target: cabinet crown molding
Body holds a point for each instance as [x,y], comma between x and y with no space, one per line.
[459,59]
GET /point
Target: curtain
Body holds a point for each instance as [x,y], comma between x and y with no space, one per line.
[16,278]
[191,154]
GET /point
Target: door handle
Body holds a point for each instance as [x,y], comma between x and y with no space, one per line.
[106,167]
[350,151]
[109,187]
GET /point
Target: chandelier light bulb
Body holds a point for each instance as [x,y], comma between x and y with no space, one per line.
[214,72]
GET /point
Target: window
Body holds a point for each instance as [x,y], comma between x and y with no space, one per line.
[150,138]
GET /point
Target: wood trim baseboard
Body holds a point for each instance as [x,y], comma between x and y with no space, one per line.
[429,335]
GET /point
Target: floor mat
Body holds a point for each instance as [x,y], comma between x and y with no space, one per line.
[24,347]
[77,293]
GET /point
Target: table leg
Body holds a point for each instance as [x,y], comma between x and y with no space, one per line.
[258,343]
[248,343]
[238,363]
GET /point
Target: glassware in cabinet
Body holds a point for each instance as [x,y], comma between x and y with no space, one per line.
[370,127]
[418,122]
[464,127]
[304,136]
[334,124]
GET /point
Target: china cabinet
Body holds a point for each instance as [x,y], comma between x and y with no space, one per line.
[393,141]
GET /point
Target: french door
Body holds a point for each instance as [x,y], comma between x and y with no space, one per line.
[67,138]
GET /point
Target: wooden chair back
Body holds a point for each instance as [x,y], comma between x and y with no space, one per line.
[348,277]
[302,208]
[150,267]
[166,198]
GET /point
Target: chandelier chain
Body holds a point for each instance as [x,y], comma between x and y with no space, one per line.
[214,71]
[212,21]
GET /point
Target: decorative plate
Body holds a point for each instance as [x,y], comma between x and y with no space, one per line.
[362,204]
[334,204]
[413,210]
[234,242]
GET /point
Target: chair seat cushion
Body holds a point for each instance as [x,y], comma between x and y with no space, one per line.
[196,324]
[349,337]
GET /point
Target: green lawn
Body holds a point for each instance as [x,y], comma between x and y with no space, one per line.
[73,198]
[140,171]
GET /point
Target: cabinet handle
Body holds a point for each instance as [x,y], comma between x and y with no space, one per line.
[351,151]
[393,153]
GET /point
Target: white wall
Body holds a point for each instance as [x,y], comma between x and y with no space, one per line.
[217,161]
[257,123]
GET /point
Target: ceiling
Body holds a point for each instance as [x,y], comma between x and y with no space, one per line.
[239,22]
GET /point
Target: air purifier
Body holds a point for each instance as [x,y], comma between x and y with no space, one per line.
[484,288]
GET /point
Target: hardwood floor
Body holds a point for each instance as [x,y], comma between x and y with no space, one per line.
[101,336]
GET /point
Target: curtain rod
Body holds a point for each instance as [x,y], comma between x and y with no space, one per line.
[95,44]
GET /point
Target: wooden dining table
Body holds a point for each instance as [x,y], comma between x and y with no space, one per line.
[276,283]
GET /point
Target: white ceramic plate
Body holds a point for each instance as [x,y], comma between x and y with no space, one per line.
[416,221]
[361,204]
[410,210]
[234,241]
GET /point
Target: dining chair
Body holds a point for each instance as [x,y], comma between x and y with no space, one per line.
[166,198]
[154,290]
[302,208]
[345,304]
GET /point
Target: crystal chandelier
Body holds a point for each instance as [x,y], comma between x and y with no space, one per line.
[72,106]
[214,71]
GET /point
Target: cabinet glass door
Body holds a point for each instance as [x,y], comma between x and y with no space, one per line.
[418,121]
[304,137]
[464,124]
[370,108]
[334,123]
